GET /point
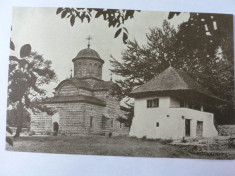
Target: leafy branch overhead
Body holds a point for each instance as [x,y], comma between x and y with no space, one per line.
[115,18]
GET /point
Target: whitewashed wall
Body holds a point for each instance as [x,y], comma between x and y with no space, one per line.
[171,122]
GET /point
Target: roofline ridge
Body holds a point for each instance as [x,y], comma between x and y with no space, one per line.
[176,71]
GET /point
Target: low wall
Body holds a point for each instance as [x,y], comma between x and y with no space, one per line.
[226,130]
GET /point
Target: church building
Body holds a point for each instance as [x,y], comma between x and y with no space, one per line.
[84,103]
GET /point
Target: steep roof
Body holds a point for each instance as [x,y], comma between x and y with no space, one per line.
[75,99]
[102,85]
[171,79]
[82,83]
[76,82]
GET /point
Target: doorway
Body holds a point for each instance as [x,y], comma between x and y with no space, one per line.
[55,128]
[199,130]
[187,127]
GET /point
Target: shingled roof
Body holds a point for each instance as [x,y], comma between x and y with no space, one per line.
[82,83]
[103,85]
[76,82]
[75,99]
[171,79]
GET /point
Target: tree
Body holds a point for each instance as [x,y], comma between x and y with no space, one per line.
[164,47]
[206,41]
[115,18]
[12,118]
[26,76]
[141,63]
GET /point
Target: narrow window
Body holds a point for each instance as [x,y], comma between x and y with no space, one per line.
[103,122]
[157,124]
[111,123]
[153,103]
[120,125]
[182,104]
[91,118]
[156,102]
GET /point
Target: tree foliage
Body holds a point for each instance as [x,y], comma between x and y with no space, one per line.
[206,41]
[115,18]
[189,49]
[141,63]
[26,77]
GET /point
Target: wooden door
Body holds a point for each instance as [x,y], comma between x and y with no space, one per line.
[199,130]
[187,127]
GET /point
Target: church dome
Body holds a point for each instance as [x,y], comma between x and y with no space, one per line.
[88,53]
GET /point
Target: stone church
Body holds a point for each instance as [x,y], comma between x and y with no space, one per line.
[84,104]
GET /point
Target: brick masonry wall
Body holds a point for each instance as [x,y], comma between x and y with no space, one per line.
[75,118]
[40,123]
[88,67]
[226,130]
[69,89]
[113,110]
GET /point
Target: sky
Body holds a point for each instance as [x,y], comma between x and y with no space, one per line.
[59,42]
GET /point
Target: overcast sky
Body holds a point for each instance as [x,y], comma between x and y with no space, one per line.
[59,42]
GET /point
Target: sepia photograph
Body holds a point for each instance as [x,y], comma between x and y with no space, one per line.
[121,82]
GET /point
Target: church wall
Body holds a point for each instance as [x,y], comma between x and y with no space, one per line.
[75,118]
[69,89]
[113,110]
[91,81]
[101,94]
[41,123]
[88,67]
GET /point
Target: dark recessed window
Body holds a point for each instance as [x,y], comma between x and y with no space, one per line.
[182,103]
[157,124]
[112,123]
[91,118]
[154,103]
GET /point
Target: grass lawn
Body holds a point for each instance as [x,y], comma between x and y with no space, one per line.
[100,145]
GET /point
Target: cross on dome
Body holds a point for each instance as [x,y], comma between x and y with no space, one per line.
[89,38]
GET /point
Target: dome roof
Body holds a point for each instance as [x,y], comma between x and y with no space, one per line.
[90,53]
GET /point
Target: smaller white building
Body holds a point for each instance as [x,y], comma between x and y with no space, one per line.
[172,106]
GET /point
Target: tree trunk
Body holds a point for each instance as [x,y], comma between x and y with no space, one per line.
[20,119]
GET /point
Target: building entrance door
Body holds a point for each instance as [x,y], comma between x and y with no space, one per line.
[187,127]
[199,128]
[55,128]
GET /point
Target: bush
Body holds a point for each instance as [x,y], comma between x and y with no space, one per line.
[144,137]
[166,141]
[31,133]
[183,140]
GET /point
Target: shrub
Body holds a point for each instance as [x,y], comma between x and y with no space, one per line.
[31,133]
[144,137]
[166,141]
[183,140]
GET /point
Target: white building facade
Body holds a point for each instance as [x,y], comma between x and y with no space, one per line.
[167,107]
